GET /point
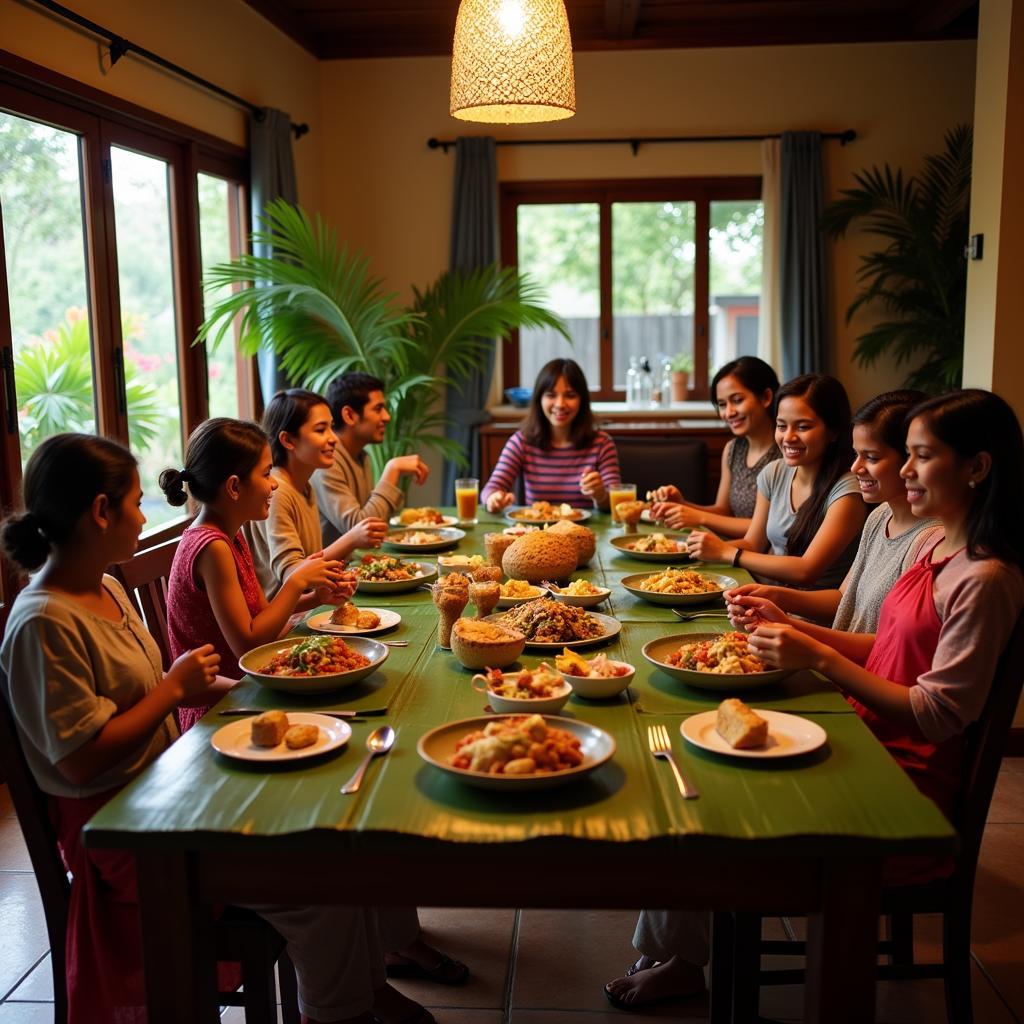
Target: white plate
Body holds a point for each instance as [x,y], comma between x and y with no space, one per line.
[511,602]
[235,739]
[611,626]
[322,623]
[514,514]
[788,735]
[441,538]
[445,521]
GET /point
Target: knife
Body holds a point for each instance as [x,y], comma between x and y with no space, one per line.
[339,713]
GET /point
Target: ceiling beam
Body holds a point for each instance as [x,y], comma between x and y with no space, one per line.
[620,17]
[935,15]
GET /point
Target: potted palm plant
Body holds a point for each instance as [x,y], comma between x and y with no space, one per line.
[316,305]
[919,277]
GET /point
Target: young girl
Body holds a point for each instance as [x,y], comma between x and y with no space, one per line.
[93,709]
[879,442]
[808,513]
[213,593]
[298,425]
[557,451]
[744,391]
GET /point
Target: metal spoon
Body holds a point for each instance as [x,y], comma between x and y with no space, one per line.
[380,741]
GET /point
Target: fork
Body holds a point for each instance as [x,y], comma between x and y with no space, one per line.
[657,738]
[690,616]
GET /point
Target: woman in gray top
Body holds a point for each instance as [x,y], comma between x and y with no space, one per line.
[808,515]
[879,443]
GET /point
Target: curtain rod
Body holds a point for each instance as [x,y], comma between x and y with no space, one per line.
[119,46]
[445,144]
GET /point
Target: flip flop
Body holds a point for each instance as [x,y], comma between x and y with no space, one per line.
[641,966]
[447,971]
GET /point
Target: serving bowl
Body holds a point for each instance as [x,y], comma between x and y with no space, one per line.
[581,600]
[255,662]
[427,574]
[656,651]
[477,654]
[510,602]
[600,687]
[633,581]
[519,397]
[524,705]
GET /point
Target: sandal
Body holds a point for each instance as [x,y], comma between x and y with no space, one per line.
[446,971]
[643,964]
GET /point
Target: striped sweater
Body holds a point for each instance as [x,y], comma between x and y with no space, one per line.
[553,474]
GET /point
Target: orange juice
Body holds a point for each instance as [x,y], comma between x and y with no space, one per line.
[466,492]
[621,492]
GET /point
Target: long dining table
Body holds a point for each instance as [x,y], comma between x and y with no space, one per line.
[805,835]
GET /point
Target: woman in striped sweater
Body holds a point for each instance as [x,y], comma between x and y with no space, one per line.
[558,452]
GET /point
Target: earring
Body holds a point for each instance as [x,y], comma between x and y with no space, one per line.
[971,484]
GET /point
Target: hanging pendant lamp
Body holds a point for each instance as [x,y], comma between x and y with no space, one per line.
[512,62]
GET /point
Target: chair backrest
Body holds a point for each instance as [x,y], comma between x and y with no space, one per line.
[144,577]
[650,460]
[986,741]
[32,807]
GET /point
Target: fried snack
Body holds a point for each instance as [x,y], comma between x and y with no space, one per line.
[739,726]
[455,581]
[348,614]
[520,588]
[496,544]
[269,728]
[484,597]
[468,562]
[299,736]
[487,574]
[449,602]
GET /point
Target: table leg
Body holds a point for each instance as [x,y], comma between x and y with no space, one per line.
[177,942]
[842,944]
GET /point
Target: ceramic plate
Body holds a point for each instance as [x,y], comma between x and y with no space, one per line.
[436,746]
[656,651]
[446,537]
[445,521]
[515,513]
[253,662]
[788,735]
[322,623]
[445,563]
[610,627]
[621,542]
[235,739]
[511,602]
[427,574]
[632,584]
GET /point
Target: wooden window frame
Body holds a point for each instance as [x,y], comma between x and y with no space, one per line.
[701,191]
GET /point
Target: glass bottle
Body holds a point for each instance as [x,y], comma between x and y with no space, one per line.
[666,383]
[645,384]
[633,381]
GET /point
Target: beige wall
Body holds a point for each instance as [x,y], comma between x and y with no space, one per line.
[391,196]
[224,41]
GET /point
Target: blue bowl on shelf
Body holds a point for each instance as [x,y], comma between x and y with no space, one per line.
[519,397]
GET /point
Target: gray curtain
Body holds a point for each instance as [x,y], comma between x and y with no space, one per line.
[474,245]
[272,176]
[802,256]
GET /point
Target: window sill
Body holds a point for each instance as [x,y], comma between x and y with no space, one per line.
[620,411]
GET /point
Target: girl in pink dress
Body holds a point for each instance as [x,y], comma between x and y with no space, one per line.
[213,592]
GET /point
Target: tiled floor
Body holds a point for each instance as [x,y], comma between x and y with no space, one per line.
[547,967]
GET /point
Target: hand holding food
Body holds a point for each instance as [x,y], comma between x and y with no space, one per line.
[407,465]
[318,573]
[368,533]
[708,548]
[739,726]
[667,492]
[677,516]
[497,500]
[194,671]
[592,486]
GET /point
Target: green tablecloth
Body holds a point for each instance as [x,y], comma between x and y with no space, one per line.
[851,788]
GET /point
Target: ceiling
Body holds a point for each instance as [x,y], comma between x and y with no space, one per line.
[332,29]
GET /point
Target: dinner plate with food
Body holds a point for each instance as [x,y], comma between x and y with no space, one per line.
[348,620]
[549,625]
[436,539]
[520,529]
[581,593]
[385,574]
[541,512]
[596,679]
[418,518]
[276,736]
[515,592]
[313,664]
[532,691]
[459,563]
[712,661]
[738,731]
[677,586]
[653,547]
[494,752]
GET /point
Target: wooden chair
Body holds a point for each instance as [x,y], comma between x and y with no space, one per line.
[144,578]
[650,461]
[737,944]
[241,935]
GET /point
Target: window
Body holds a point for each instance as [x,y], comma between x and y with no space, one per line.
[639,270]
[102,207]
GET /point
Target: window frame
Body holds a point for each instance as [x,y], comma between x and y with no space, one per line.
[701,191]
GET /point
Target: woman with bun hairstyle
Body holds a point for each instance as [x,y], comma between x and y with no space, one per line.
[885,551]
[213,592]
[808,515]
[297,423]
[559,452]
[744,397]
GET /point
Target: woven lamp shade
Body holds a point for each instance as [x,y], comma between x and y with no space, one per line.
[512,62]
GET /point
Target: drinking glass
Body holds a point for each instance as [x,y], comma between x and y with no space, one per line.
[467,491]
[620,492]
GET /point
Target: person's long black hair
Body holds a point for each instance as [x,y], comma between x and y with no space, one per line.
[974,421]
[753,373]
[827,397]
[536,428]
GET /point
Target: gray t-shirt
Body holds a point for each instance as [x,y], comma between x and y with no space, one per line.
[775,482]
[69,671]
[881,560]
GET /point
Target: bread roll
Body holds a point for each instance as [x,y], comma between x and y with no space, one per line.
[346,614]
[299,736]
[739,726]
[269,728]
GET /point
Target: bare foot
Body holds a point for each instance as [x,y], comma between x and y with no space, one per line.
[674,979]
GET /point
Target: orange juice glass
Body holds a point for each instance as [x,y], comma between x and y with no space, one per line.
[467,491]
[620,492]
